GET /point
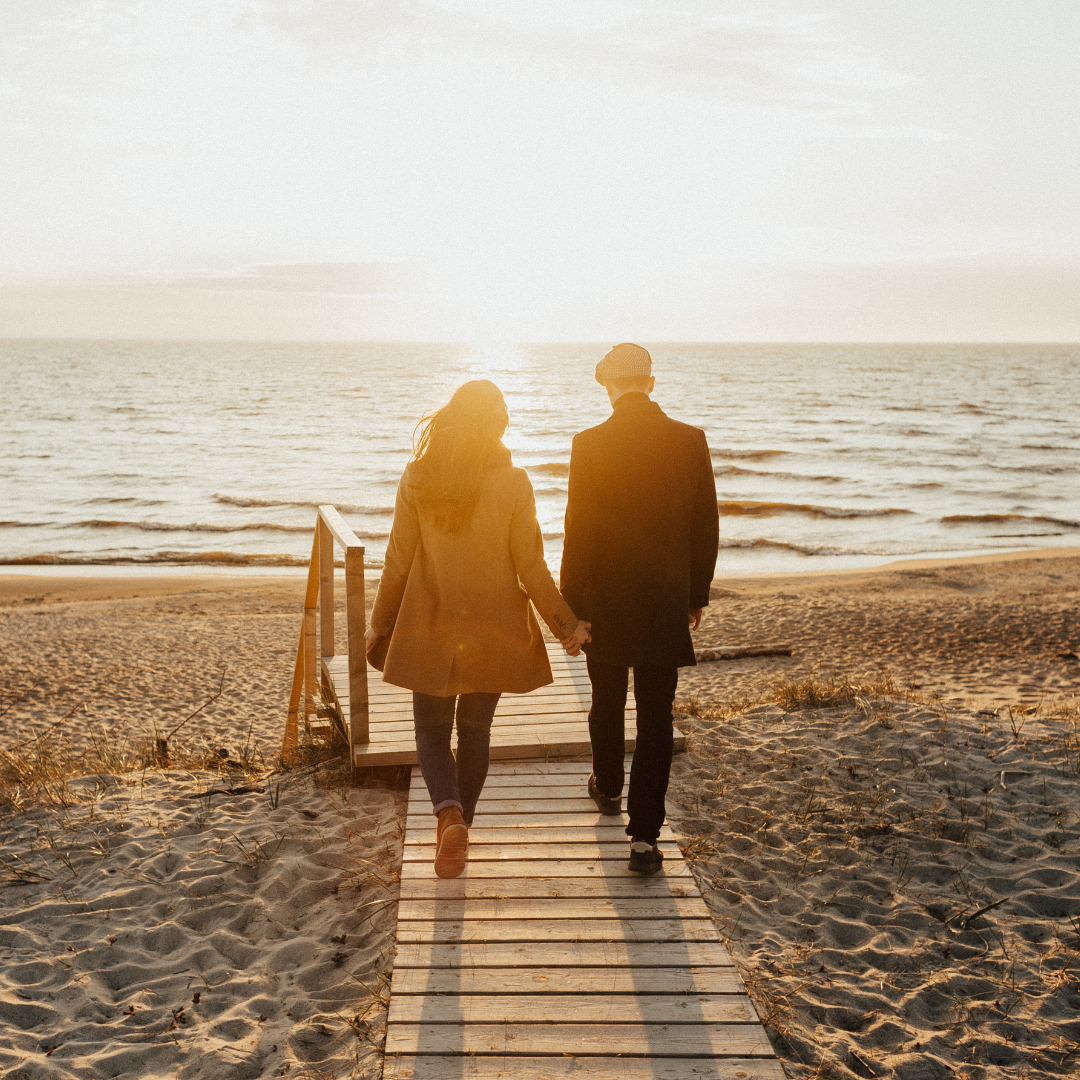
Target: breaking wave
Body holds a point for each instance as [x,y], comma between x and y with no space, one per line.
[551,468]
[735,470]
[173,558]
[802,549]
[748,455]
[349,508]
[991,519]
[166,526]
[743,508]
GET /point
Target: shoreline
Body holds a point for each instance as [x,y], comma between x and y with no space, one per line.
[107,581]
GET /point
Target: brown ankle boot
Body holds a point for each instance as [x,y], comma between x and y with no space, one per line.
[451,843]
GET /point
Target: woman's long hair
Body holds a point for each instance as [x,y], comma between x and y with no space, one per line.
[452,447]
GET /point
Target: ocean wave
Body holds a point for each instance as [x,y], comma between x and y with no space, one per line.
[348,508]
[173,558]
[22,524]
[552,535]
[195,526]
[964,519]
[551,468]
[802,549]
[736,508]
[735,470]
[748,455]
[130,499]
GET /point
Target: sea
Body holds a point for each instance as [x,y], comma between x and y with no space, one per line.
[117,455]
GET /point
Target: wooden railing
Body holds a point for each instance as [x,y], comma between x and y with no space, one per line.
[330,528]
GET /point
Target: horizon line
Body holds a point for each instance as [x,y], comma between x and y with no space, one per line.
[537,341]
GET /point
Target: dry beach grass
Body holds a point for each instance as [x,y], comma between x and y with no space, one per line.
[849,810]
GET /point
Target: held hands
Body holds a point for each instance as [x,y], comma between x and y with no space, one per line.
[695,617]
[579,637]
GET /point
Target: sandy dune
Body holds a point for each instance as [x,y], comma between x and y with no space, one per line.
[900,883]
[148,931]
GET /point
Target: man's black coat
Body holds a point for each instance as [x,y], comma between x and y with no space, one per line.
[641,534]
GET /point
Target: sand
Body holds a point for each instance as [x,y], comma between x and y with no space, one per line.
[148,931]
[846,851]
[983,630]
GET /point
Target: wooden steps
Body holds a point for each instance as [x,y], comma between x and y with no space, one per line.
[548,958]
[551,722]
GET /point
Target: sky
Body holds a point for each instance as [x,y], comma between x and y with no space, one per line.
[587,170]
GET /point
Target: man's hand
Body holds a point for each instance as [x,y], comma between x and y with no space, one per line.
[695,617]
[370,638]
[579,637]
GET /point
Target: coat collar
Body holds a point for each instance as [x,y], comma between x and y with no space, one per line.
[634,404]
[498,457]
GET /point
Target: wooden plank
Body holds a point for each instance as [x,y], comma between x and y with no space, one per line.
[534,701]
[590,852]
[566,980]
[643,885]
[530,806]
[529,822]
[291,736]
[540,712]
[495,1067]
[504,869]
[502,777]
[625,909]
[503,747]
[524,791]
[604,1008]
[326,587]
[569,954]
[561,930]
[688,1040]
[356,625]
[557,770]
[310,683]
[338,526]
[478,834]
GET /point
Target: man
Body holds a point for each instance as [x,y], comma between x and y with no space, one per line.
[638,558]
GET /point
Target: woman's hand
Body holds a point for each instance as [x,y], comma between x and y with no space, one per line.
[370,639]
[579,637]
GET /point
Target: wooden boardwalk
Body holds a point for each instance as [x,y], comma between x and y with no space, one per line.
[549,959]
[548,723]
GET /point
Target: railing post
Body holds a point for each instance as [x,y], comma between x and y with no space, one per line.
[311,599]
[326,587]
[356,616]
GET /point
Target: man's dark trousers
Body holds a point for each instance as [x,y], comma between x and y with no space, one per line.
[654,692]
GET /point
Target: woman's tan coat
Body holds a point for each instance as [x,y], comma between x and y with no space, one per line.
[458,606]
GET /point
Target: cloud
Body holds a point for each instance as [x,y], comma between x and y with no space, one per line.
[750,58]
[331,279]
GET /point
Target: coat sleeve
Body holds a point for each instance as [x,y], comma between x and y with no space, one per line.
[527,551]
[574,570]
[400,549]
[704,529]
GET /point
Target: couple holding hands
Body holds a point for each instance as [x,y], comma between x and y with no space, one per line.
[465,558]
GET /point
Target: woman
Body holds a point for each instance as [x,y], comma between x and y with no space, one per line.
[464,559]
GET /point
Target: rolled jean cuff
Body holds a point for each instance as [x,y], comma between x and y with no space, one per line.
[445,804]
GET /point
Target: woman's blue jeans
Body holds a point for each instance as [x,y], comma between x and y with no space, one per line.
[454,781]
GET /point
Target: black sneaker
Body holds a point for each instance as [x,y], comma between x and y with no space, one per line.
[645,858]
[604,803]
